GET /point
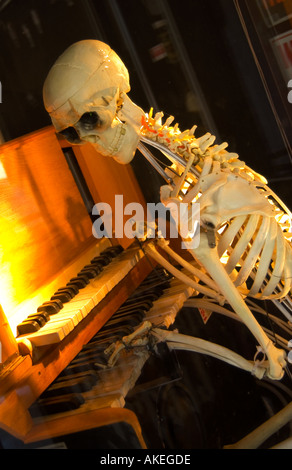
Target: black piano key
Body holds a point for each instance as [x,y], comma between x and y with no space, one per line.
[92,376]
[157,291]
[27,327]
[62,296]
[93,365]
[97,267]
[158,273]
[88,356]
[109,256]
[119,332]
[100,261]
[149,283]
[141,301]
[113,250]
[134,319]
[99,345]
[79,385]
[58,302]
[147,298]
[79,281]
[91,269]
[119,322]
[60,404]
[42,314]
[155,282]
[37,318]
[89,273]
[106,259]
[84,366]
[138,306]
[94,354]
[67,290]
[84,277]
[132,310]
[51,307]
[73,286]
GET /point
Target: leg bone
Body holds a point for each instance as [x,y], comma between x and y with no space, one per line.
[210,260]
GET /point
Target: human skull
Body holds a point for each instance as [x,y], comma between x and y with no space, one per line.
[85,94]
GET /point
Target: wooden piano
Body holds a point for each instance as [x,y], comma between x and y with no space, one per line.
[47,318]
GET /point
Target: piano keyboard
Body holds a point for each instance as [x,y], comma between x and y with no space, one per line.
[87,382]
[58,317]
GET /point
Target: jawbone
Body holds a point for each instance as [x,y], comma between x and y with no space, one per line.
[122,145]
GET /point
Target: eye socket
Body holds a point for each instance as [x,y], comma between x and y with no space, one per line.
[89,120]
[208,224]
[71,135]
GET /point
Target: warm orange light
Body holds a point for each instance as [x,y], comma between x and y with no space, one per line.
[43,222]
[3,175]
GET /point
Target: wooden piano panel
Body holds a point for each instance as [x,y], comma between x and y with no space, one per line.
[107,178]
[43,222]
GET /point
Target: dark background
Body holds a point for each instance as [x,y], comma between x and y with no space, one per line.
[189,58]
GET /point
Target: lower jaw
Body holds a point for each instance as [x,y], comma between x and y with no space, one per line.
[111,149]
[122,147]
[118,140]
[127,151]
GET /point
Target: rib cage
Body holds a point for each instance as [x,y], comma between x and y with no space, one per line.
[258,257]
[255,248]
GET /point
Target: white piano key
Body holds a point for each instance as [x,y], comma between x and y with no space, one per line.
[166,308]
[85,300]
[70,310]
[74,316]
[74,311]
[76,306]
[95,290]
[67,324]
[44,338]
[162,309]
[52,332]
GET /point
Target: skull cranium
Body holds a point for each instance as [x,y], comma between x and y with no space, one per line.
[85,94]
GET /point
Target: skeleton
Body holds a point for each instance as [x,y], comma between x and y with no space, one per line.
[244,234]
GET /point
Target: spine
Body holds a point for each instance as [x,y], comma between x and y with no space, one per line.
[185,143]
